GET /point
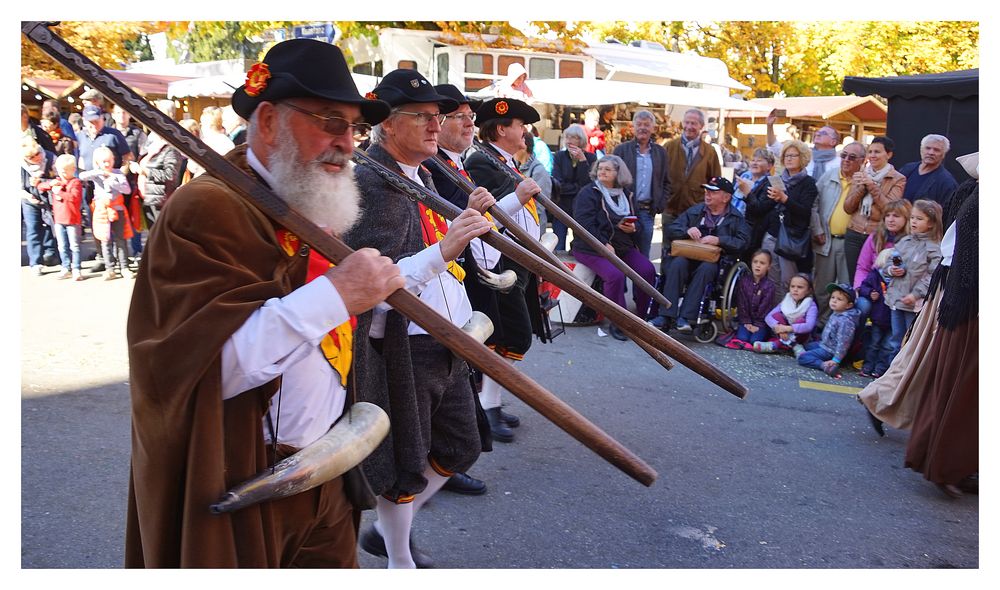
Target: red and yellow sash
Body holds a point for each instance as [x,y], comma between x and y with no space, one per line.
[433,227]
[336,345]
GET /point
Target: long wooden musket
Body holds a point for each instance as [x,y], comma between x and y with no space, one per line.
[623,318]
[578,230]
[536,248]
[259,196]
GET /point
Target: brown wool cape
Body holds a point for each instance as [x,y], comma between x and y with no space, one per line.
[211,260]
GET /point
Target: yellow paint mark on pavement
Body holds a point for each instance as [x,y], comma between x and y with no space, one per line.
[829,387]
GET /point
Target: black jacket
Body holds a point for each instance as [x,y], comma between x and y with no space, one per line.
[798,208]
[571,178]
[164,176]
[589,211]
[732,231]
[659,187]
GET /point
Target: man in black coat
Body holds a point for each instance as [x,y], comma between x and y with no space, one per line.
[647,161]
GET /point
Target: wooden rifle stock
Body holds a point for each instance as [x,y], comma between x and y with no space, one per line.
[555,265]
[578,230]
[259,196]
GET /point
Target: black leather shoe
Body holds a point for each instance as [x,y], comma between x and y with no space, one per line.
[616,333]
[499,430]
[463,483]
[876,423]
[373,543]
[510,419]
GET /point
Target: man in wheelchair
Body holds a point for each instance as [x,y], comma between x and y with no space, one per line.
[702,235]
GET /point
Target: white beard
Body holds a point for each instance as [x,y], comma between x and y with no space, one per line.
[331,201]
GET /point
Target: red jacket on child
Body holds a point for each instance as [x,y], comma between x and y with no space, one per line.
[66,197]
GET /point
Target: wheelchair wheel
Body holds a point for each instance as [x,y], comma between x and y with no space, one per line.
[706,332]
[729,295]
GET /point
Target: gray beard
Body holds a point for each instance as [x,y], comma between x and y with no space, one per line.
[331,201]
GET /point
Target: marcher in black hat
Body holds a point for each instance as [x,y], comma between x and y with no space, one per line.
[238,402]
[424,387]
[501,128]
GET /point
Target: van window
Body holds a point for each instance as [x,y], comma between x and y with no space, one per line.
[541,68]
[443,59]
[478,63]
[504,61]
[570,68]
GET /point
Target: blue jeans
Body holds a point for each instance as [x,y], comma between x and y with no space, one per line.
[644,229]
[34,230]
[68,237]
[901,322]
[878,353]
[747,336]
[815,355]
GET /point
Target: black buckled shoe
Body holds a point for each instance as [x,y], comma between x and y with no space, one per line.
[373,543]
[499,430]
[463,483]
[509,419]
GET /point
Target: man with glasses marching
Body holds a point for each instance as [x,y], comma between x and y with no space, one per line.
[421,384]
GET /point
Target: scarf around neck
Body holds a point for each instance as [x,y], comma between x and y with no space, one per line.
[614,199]
[690,151]
[877,176]
[820,158]
[792,179]
[793,312]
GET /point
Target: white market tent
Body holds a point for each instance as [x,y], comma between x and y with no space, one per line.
[626,63]
[580,91]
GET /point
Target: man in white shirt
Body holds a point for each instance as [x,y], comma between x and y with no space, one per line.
[422,385]
[239,335]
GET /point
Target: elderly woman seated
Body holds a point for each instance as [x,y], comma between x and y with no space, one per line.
[714,222]
[605,209]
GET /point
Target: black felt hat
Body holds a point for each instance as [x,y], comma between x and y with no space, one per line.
[501,108]
[304,68]
[452,91]
[400,87]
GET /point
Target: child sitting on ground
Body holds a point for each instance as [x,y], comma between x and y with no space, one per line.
[794,319]
[838,334]
[754,298]
[110,222]
[67,197]
[878,352]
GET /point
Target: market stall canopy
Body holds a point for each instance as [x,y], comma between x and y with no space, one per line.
[222,86]
[581,91]
[960,84]
[863,108]
[639,64]
[46,88]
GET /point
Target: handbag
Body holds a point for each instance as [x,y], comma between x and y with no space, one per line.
[693,250]
[789,245]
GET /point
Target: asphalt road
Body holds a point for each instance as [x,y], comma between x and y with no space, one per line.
[790,477]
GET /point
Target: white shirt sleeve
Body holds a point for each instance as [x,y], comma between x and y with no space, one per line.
[509,204]
[279,334]
[486,256]
[418,270]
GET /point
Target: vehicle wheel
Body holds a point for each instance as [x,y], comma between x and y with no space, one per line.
[729,295]
[706,332]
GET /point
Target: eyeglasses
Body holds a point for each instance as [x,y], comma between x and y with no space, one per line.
[425,118]
[791,156]
[335,125]
[849,157]
[461,117]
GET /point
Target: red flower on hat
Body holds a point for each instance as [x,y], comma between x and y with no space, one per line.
[257,79]
[371,96]
[502,107]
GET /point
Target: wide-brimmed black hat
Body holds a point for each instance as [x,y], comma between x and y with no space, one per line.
[506,108]
[304,68]
[452,91]
[400,87]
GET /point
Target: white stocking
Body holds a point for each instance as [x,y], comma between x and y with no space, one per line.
[434,482]
[394,523]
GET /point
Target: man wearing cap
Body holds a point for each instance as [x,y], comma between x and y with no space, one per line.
[97,133]
[713,222]
[501,128]
[240,335]
[421,384]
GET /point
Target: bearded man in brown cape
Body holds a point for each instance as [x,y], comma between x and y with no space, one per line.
[240,336]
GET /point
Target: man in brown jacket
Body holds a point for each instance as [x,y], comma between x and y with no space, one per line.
[690,163]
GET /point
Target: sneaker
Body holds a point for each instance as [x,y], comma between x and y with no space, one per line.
[798,349]
[736,344]
[77,275]
[110,275]
[65,274]
[127,273]
[684,326]
[659,322]
[832,371]
[36,270]
[866,373]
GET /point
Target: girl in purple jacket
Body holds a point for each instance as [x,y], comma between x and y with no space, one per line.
[794,319]
[754,298]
